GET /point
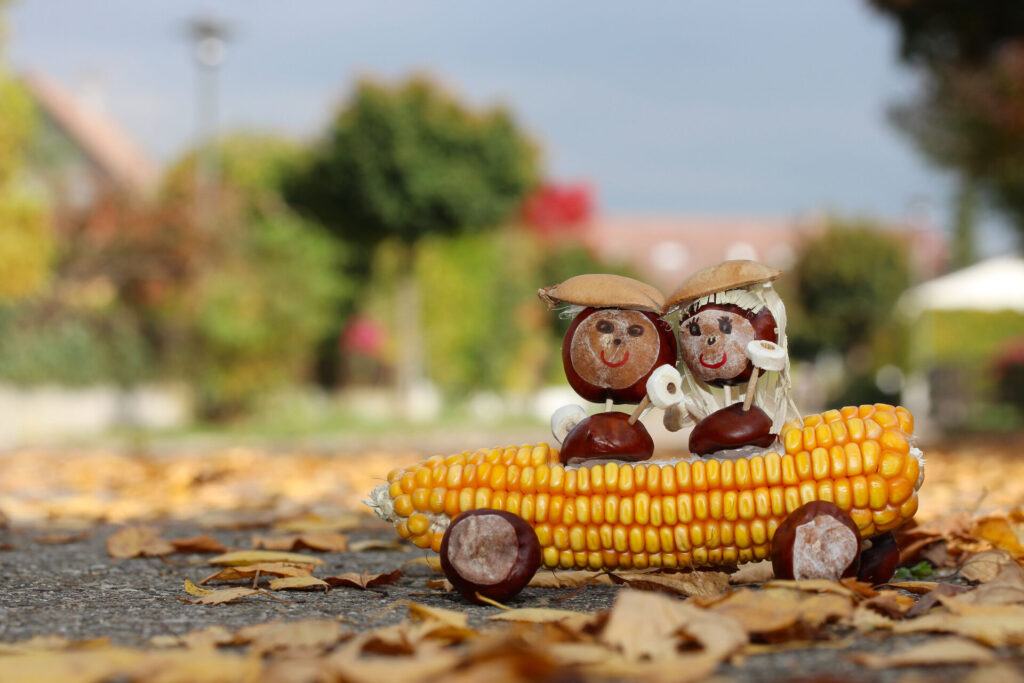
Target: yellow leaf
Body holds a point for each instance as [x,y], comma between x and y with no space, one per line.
[201,543]
[211,636]
[297,583]
[574,621]
[193,589]
[223,595]
[315,522]
[813,586]
[447,617]
[919,587]
[364,580]
[137,541]
[999,532]
[263,568]
[568,579]
[692,585]
[307,634]
[375,544]
[245,557]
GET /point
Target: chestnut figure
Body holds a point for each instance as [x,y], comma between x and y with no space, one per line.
[608,353]
[816,541]
[732,427]
[607,436]
[492,553]
[713,340]
[879,561]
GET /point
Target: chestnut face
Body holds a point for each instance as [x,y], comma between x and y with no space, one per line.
[610,352]
[714,340]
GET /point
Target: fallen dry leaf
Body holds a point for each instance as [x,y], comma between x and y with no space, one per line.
[813,586]
[567,579]
[432,562]
[941,651]
[137,541]
[376,544]
[259,569]
[890,603]
[780,613]
[753,572]
[323,541]
[931,599]
[193,589]
[918,587]
[993,625]
[223,595]
[569,619]
[1000,532]
[644,624]
[692,584]
[62,538]
[313,522]
[240,558]
[986,565]
[297,583]
[364,580]
[1007,588]
[212,636]
[201,543]
[307,634]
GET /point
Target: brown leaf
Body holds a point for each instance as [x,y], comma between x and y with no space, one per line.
[223,595]
[644,624]
[433,562]
[998,531]
[931,599]
[62,538]
[941,651]
[313,522]
[212,636]
[919,587]
[201,543]
[861,588]
[323,541]
[890,603]
[986,565]
[573,621]
[692,584]
[753,572]
[297,583]
[137,541]
[813,586]
[779,613]
[1007,588]
[364,580]
[240,558]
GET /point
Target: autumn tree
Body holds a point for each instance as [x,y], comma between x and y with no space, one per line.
[400,163]
[26,245]
[969,113]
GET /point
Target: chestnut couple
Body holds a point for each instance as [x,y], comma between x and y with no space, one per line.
[620,348]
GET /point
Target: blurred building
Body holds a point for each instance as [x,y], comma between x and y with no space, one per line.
[80,153]
[666,249]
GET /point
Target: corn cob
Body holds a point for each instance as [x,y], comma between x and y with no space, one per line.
[685,513]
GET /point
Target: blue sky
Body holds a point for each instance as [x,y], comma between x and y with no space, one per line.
[722,108]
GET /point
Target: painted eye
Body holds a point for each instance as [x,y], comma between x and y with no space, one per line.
[635,331]
[695,329]
[725,325]
[605,327]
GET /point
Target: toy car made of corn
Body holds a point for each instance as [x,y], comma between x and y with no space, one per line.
[684,512]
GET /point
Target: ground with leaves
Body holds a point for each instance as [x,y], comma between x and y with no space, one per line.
[245,565]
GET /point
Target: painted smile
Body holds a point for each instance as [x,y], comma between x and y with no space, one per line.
[619,364]
[711,365]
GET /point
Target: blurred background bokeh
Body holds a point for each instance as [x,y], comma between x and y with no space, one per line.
[228,219]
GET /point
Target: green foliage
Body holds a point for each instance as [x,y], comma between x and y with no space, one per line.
[848,280]
[409,161]
[968,337]
[43,343]
[966,117]
[26,244]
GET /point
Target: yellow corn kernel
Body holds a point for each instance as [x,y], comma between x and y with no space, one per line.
[742,474]
[712,537]
[886,518]
[583,487]
[626,510]
[550,554]
[541,478]
[566,559]
[466,500]
[793,440]
[611,509]
[865,410]
[642,508]
[437,499]
[626,483]
[855,426]
[846,412]
[727,479]
[713,473]
[843,493]
[777,494]
[741,534]
[666,539]
[541,507]
[697,535]
[891,464]
[569,511]
[497,478]
[596,513]
[698,471]
[577,538]
[594,561]
[789,475]
[668,480]
[854,461]
[593,538]
[826,491]
[727,531]
[421,499]
[807,438]
[840,434]
[870,453]
[539,455]
[715,504]
[498,499]
[512,475]
[469,475]
[482,499]
[569,485]
[830,416]
[651,540]
[681,537]
[656,516]
[668,506]
[636,539]
[560,537]
[808,492]
[597,479]
[772,468]
[906,420]
[747,507]
[421,541]
[639,477]
[421,478]
[700,505]
[823,436]
[395,489]
[730,505]
[403,528]
[620,538]
[527,509]
[792,495]
[758,531]
[403,505]
[886,419]
[407,482]
[872,430]
[878,492]
[762,502]
[607,534]
[758,473]
[557,479]
[837,461]
[859,486]
[909,508]
[911,470]
[893,440]
[436,539]
[802,465]
[820,462]
[451,502]
[418,524]
[395,474]
[813,420]
[730,555]
[528,480]
[652,479]
[684,503]
[555,505]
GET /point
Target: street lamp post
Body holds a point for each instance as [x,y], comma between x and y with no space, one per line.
[209,44]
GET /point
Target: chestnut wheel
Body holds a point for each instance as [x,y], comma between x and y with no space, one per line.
[491,553]
[816,541]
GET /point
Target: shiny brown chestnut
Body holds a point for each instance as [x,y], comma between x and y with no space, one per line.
[607,436]
[878,562]
[816,541]
[731,427]
[491,553]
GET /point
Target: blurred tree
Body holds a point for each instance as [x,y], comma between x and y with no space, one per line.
[969,115]
[26,245]
[848,280]
[406,162]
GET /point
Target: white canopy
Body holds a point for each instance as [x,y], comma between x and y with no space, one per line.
[993,285]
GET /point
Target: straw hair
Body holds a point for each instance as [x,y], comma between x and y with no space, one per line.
[721,277]
[604,291]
